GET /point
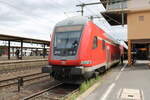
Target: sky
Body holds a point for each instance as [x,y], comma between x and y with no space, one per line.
[37,18]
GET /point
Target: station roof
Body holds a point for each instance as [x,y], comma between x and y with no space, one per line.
[104,2]
[114,17]
[26,40]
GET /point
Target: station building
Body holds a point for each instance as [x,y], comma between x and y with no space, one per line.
[136,15]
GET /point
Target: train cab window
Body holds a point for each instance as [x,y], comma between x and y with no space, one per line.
[103,44]
[95,42]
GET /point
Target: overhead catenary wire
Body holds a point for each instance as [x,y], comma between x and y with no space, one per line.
[25,15]
[104,25]
[87,4]
[60,5]
[63,6]
[89,10]
[20,10]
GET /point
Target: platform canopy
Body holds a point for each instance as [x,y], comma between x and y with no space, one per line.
[26,40]
[114,16]
[105,2]
[22,40]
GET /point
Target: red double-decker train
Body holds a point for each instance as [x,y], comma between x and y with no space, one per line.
[79,49]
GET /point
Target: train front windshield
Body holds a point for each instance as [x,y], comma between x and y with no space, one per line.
[66,41]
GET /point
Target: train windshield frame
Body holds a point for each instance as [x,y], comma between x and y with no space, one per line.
[66,40]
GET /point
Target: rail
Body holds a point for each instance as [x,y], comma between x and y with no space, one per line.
[60,90]
[20,80]
[41,92]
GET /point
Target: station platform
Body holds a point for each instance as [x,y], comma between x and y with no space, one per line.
[21,61]
[124,83]
[30,63]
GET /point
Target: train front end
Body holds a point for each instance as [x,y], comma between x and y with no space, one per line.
[64,60]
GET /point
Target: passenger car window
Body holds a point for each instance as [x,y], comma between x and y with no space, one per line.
[95,42]
[103,44]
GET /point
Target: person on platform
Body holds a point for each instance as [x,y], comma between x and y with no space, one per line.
[121,54]
[134,55]
[17,53]
[44,53]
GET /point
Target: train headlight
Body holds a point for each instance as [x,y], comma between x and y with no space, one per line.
[86,62]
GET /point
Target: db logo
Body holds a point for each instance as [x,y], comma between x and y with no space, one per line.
[63,62]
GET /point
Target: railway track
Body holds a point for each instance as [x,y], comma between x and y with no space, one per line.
[55,92]
[20,80]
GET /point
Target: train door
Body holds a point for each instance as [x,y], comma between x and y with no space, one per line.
[107,57]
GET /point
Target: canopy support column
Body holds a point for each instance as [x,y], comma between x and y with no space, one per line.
[44,51]
[9,50]
[21,49]
[129,52]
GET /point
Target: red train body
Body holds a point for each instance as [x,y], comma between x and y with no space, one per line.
[79,49]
